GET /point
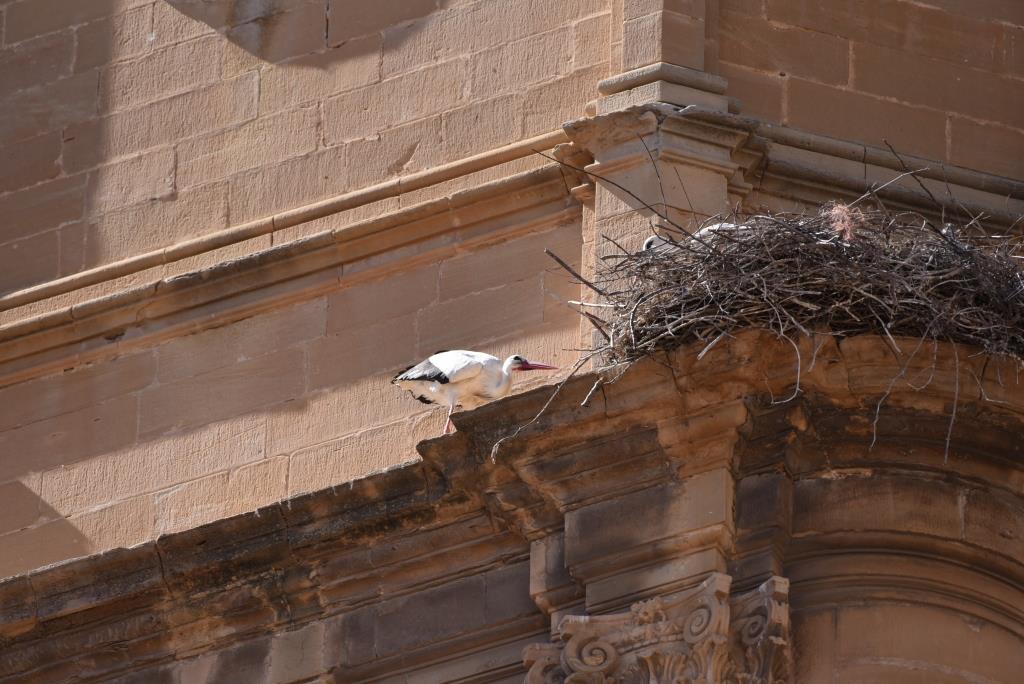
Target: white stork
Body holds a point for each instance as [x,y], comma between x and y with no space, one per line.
[658,243]
[463,378]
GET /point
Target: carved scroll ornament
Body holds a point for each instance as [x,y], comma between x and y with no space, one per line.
[685,638]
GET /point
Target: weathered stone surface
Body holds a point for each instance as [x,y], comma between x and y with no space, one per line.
[415,564]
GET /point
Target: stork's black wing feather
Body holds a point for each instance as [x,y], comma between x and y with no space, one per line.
[423,371]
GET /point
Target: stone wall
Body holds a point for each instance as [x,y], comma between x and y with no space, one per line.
[138,123]
[166,436]
[939,78]
[212,385]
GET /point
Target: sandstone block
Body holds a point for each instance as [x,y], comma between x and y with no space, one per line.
[679,40]
[366,111]
[897,671]
[42,545]
[147,176]
[507,593]
[641,518]
[964,37]
[590,40]
[328,415]
[114,38]
[54,395]
[430,615]
[763,501]
[510,67]
[222,495]
[900,504]
[222,393]
[857,116]
[995,522]
[506,262]
[350,637]
[243,664]
[28,19]
[938,84]
[754,43]
[369,303]
[353,18]
[953,641]
[161,123]
[276,37]
[171,24]
[35,62]
[352,65]
[161,73]
[466,29]
[375,350]
[1013,49]
[561,100]
[982,146]
[297,655]
[482,126]
[155,464]
[348,458]
[31,112]
[814,636]
[397,151]
[32,260]
[151,224]
[249,338]
[38,160]
[22,506]
[122,524]
[264,141]
[760,94]
[261,192]
[481,317]
[43,206]
[632,9]
[69,437]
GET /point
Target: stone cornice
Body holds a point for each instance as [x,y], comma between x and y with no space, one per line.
[642,443]
[797,164]
[296,270]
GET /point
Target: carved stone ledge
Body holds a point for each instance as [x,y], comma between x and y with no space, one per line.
[695,636]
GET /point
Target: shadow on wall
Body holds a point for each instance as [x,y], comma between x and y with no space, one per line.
[105,106]
[97,121]
[41,536]
[275,30]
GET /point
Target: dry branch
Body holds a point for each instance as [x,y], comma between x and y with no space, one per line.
[844,272]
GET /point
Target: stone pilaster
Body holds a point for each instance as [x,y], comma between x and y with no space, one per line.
[657,168]
[663,51]
[699,635]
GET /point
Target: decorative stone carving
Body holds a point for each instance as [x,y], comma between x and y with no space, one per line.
[685,638]
[759,627]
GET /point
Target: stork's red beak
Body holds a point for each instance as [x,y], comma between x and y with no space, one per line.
[530,365]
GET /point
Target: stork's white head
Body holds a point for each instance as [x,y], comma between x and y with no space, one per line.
[658,243]
[519,363]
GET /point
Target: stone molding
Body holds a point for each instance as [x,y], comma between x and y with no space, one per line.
[791,163]
[749,153]
[700,635]
[663,71]
[109,326]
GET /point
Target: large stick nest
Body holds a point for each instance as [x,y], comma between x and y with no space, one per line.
[842,272]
